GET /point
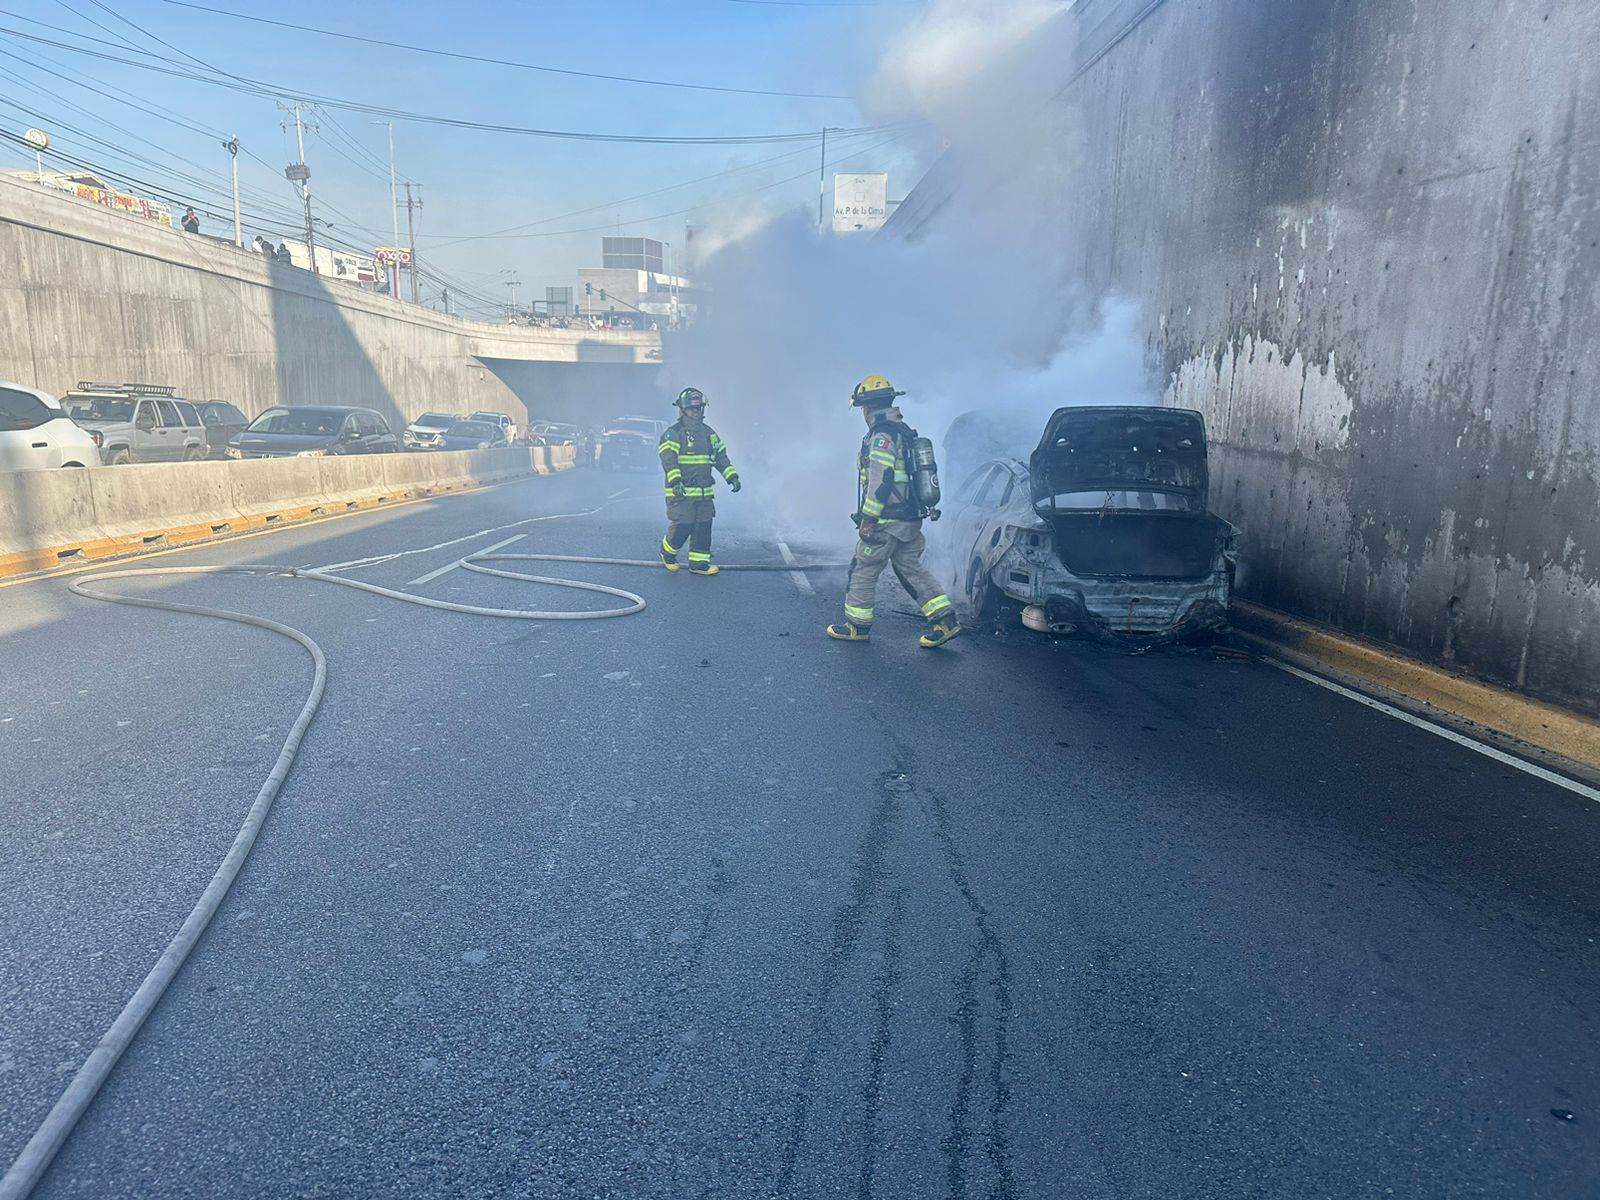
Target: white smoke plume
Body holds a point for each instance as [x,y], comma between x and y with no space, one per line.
[981,312]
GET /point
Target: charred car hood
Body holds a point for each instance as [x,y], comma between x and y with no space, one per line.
[1123,448]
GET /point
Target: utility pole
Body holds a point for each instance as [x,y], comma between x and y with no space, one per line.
[232,147]
[394,189]
[511,315]
[411,233]
[822,178]
[302,174]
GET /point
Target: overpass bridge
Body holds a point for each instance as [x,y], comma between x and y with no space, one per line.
[91,293]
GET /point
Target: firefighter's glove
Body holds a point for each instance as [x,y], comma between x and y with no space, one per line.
[869,531]
[678,491]
[734,485]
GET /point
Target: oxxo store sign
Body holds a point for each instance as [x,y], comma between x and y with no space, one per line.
[860,202]
[393,257]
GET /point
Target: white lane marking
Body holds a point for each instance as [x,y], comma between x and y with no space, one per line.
[797,577]
[448,567]
[1460,739]
[456,541]
[614,495]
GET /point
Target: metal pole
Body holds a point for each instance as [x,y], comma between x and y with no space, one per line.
[394,189]
[411,233]
[232,147]
[821,181]
[305,189]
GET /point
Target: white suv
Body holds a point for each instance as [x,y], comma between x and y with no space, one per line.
[35,433]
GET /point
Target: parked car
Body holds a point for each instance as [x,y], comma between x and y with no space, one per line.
[138,422]
[35,433]
[551,433]
[223,423]
[474,435]
[1104,529]
[426,432]
[631,444]
[500,419]
[312,430]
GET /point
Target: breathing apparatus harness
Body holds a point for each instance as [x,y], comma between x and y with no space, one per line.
[913,456]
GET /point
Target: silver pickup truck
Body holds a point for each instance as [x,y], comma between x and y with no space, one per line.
[137,422]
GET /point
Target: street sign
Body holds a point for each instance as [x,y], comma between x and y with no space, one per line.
[393,256]
[38,139]
[860,202]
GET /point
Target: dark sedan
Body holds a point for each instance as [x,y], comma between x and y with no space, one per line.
[474,435]
[312,431]
[223,423]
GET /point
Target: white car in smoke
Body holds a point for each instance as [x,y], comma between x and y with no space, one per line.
[36,434]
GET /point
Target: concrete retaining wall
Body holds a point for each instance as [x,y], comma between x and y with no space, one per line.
[89,293]
[1366,234]
[51,517]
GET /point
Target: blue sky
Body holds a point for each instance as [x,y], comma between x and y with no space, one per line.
[473,182]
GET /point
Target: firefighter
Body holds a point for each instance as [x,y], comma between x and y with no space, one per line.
[889,523]
[690,451]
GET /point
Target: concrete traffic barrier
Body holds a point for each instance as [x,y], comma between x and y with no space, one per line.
[51,517]
[129,502]
[39,512]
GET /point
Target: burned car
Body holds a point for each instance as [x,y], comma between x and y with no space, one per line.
[1105,529]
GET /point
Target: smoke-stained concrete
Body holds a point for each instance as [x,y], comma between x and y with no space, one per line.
[87,293]
[1365,236]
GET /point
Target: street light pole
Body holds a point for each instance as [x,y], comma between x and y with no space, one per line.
[394,188]
[232,147]
[822,178]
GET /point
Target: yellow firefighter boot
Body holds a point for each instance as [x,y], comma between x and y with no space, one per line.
[849,632]
[940,632]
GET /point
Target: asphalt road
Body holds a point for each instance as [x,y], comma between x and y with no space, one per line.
[698,903]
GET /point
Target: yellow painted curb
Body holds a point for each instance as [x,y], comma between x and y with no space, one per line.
[1548,727]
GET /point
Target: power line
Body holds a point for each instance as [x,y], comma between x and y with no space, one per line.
[261,88]
[507,62]
[513,230]
[806,174]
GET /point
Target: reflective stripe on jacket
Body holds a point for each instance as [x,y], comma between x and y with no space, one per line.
[690,456]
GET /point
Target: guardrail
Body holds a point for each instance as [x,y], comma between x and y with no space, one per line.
[48,518]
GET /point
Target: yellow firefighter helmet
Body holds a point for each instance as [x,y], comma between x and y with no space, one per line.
[873,391]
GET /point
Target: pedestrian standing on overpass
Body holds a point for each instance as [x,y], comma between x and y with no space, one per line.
[191,220]
[690,452]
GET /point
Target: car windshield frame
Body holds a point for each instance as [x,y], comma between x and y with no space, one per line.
[114,409]
[639,425]
[436,420]
[295,427]
[470,429]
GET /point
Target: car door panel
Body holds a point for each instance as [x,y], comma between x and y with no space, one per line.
[146,440]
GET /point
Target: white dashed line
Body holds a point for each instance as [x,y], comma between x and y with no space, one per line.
[798,577]
[448,567]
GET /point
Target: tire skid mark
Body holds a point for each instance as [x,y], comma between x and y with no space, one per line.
[870,872]
[954,1143]
[883,993]
[997,1140]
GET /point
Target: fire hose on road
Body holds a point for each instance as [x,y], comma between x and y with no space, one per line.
[31,1164]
